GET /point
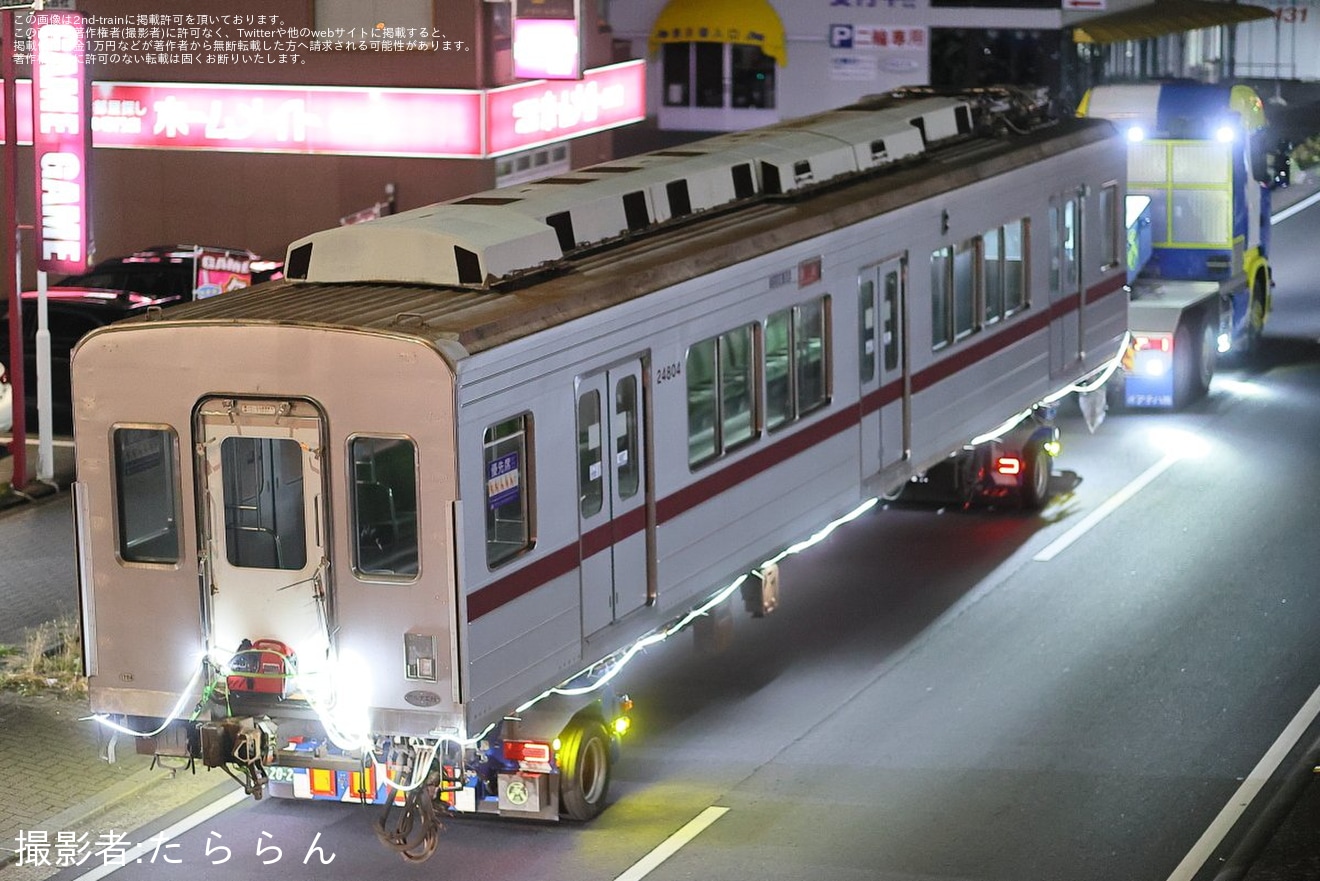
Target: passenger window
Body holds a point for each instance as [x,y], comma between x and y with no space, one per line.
[700,368]
[965,267]
[721,386]
[385,505]
[1109,226]
[737,388]
[627,460]
[265,515]
[778,378]
[866,322]
[809,352]
[941,293]
[147,494]
[591,482]
[796,362]
[892,339]
[508,488]
[1017,247]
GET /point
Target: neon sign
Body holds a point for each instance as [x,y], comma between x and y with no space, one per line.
[61,142]
[420,123]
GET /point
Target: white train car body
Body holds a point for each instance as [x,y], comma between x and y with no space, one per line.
[423,500]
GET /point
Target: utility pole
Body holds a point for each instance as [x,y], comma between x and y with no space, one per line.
[9,281]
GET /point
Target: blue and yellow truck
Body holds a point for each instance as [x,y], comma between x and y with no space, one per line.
[1201,167]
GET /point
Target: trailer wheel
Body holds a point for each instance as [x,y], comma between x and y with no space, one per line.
[1038,466]
[1185,370]
[1207,352]
[584,769]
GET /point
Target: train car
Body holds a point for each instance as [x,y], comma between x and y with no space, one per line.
[385,530]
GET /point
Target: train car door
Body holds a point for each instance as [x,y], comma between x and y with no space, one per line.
[612,494]
[886,392]
[261,474]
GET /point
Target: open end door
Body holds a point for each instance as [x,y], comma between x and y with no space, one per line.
[260,466]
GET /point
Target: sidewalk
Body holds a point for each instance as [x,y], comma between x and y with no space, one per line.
[53,755]
[62,472]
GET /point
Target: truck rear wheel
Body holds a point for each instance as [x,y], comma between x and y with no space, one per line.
[1207,353]
[1038,465]
[1186,366]
[584,769]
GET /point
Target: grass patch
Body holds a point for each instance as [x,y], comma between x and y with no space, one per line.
[49,661]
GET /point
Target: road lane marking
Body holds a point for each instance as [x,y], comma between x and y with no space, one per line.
[671,845]
[1060,544]
[1251,786]
[1296,209]
[135,853]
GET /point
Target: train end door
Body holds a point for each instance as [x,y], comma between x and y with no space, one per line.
[261,471]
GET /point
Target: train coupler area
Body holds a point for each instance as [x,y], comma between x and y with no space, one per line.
[241,747]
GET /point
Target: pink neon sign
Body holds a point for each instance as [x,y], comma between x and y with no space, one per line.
[61,142]
[532,114]
[546,48]
[277,119]
[422,123]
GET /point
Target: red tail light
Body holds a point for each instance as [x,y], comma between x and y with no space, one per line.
[1010,465]
[1162,342]
[530,751]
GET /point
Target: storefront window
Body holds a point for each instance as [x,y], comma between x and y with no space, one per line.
[694,75]
[753,78]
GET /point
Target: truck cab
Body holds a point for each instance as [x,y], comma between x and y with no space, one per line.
[1201,158]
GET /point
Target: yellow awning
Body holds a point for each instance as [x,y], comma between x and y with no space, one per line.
[747,22]
[1165,17]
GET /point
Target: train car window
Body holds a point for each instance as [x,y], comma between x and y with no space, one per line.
[505,453]
[992,275]
[737,388]
[263,500]
[1070,244]
[892,338]
[866,325]
[778,376]
[626,455]
[1017,248]
[591,479]
[1056,251]
[1109,226]
[703,422]
[147,494]
[941,293]
[721,385]
[385,505]
[810,355]
[965,267]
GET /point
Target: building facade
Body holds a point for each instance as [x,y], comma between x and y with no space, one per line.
[732,64]
[250,123]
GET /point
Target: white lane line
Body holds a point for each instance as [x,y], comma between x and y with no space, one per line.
[1060,544]
[1251,786]
[671,845]
[146,848]
[1296,209]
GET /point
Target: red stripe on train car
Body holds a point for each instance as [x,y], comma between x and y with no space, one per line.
[561,562]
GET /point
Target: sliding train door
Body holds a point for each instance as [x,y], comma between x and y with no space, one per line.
[886,390]
[612,494]
[261,474]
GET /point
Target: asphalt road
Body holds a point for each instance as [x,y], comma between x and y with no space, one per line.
[935,700]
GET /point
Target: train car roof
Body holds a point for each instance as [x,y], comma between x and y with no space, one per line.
[589,282]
